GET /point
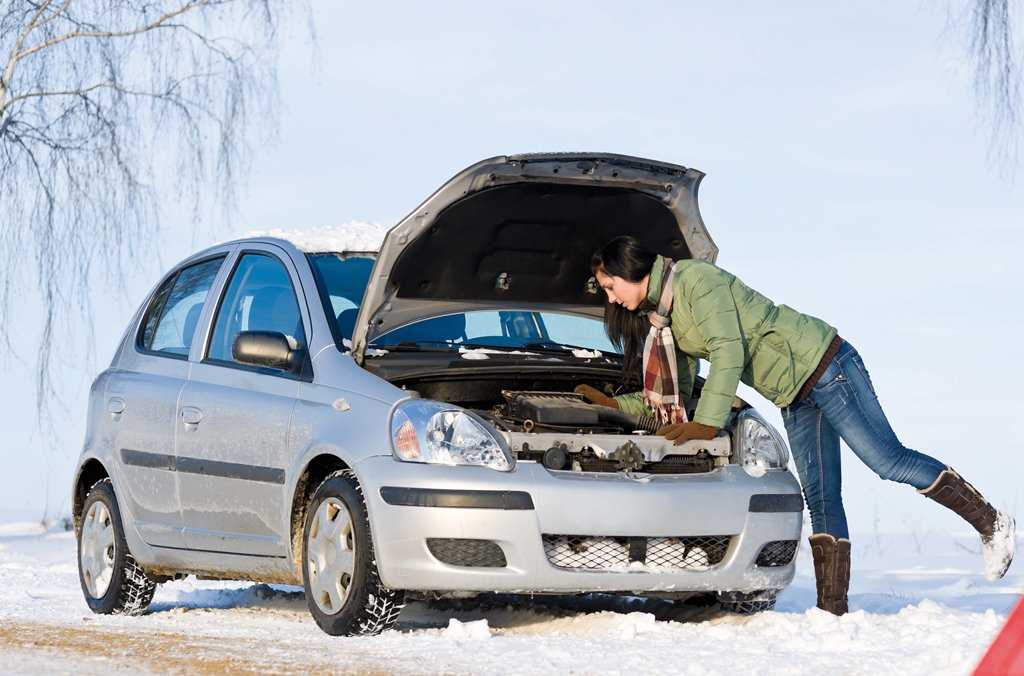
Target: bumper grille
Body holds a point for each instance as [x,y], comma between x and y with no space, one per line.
[466,552]
[692,553]
[670,464]
[777,553]
[595,552]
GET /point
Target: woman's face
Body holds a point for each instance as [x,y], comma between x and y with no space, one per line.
[622,292]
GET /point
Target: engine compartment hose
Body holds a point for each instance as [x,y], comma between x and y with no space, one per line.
[647,423]
[613,416]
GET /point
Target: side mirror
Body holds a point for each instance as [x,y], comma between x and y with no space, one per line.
[267,348]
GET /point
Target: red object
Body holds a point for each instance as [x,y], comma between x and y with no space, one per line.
[1005,657]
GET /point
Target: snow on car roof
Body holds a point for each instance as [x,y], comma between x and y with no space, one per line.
[350,236]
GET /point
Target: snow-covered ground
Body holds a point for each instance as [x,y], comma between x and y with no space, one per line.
[919,606]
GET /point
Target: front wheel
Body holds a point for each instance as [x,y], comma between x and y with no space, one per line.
[112,580]
[339,571]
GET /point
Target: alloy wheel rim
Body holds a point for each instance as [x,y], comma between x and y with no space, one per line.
[97,550]
[330,553]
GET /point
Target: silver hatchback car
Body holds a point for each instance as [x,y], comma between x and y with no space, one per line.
[378,423]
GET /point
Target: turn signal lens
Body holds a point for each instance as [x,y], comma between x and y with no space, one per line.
[407,444]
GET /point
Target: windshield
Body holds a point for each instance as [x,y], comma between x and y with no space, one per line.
[342,279]
[503,329]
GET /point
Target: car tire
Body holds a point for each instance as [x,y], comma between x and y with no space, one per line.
[112,580]
[748,603]
[339,571]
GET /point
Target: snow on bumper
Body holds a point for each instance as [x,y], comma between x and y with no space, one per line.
[410,504]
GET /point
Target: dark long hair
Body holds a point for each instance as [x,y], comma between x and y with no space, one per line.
[625,257]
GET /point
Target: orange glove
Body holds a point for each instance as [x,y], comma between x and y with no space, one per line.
[596,396]
[679,433]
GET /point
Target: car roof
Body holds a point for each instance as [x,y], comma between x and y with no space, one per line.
[350,237]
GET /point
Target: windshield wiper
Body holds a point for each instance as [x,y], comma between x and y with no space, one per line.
[559,347]
[445,346]
[414,346]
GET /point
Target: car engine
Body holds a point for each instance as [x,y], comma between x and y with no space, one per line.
[529,411]
[564,432]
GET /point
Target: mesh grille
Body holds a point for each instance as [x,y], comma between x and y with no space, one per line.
[465,552]
[582,551]
[777,553]
[594,552]
[692,553]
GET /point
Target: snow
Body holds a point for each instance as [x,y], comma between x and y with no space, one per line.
[461,631]
[919,605]
[483,352]
[998,550]
[370,351]
[353,236]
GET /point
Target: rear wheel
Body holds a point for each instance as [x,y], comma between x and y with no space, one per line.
[748,603]
[112,580]
[339,571]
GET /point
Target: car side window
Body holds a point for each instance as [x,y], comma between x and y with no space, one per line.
[259,297]
[173,313]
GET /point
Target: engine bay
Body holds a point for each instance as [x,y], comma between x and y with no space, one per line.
[544,421]
[564,432]
[542,411]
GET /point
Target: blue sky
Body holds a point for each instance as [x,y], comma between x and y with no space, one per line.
[847,177]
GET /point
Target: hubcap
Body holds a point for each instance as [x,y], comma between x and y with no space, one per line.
[330,550]
[96,556]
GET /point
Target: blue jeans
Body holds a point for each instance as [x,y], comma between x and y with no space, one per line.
[843,404]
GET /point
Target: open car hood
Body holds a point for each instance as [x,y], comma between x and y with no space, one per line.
[518,231]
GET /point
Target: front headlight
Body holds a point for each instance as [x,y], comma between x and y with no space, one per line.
[760,446]
[436,432]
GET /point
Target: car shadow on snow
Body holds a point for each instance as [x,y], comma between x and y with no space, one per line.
[500,610]
[261,596]
[878,594]
[517,610]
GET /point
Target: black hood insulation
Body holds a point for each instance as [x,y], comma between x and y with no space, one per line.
[526,242]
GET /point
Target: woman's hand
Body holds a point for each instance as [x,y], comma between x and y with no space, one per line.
[679,433]
[596,396]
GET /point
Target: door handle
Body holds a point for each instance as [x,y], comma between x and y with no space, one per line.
[116,406]
[190,415]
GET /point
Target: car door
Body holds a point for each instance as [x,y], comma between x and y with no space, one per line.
[235,419]
[142,400]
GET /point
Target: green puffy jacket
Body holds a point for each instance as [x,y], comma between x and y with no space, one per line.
[746,337]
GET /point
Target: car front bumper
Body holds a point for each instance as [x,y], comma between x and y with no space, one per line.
[409,503]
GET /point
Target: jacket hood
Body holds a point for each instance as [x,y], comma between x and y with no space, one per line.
[518,232]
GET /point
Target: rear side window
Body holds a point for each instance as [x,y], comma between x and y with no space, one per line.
[260,297]
[173,314]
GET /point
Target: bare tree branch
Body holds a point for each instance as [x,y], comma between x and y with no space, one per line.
[188,6]
[997,76]
[104,104]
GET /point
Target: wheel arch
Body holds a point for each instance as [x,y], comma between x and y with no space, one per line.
[312,475]
[91,472]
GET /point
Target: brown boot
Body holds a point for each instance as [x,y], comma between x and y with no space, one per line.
[996,529]
[831,571]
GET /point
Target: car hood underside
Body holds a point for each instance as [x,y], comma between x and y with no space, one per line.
[519,232]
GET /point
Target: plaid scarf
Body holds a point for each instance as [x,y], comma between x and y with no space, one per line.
[661,377]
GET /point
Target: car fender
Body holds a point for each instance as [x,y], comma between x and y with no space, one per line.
[340,423]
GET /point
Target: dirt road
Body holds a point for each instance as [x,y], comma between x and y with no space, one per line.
[98,649]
